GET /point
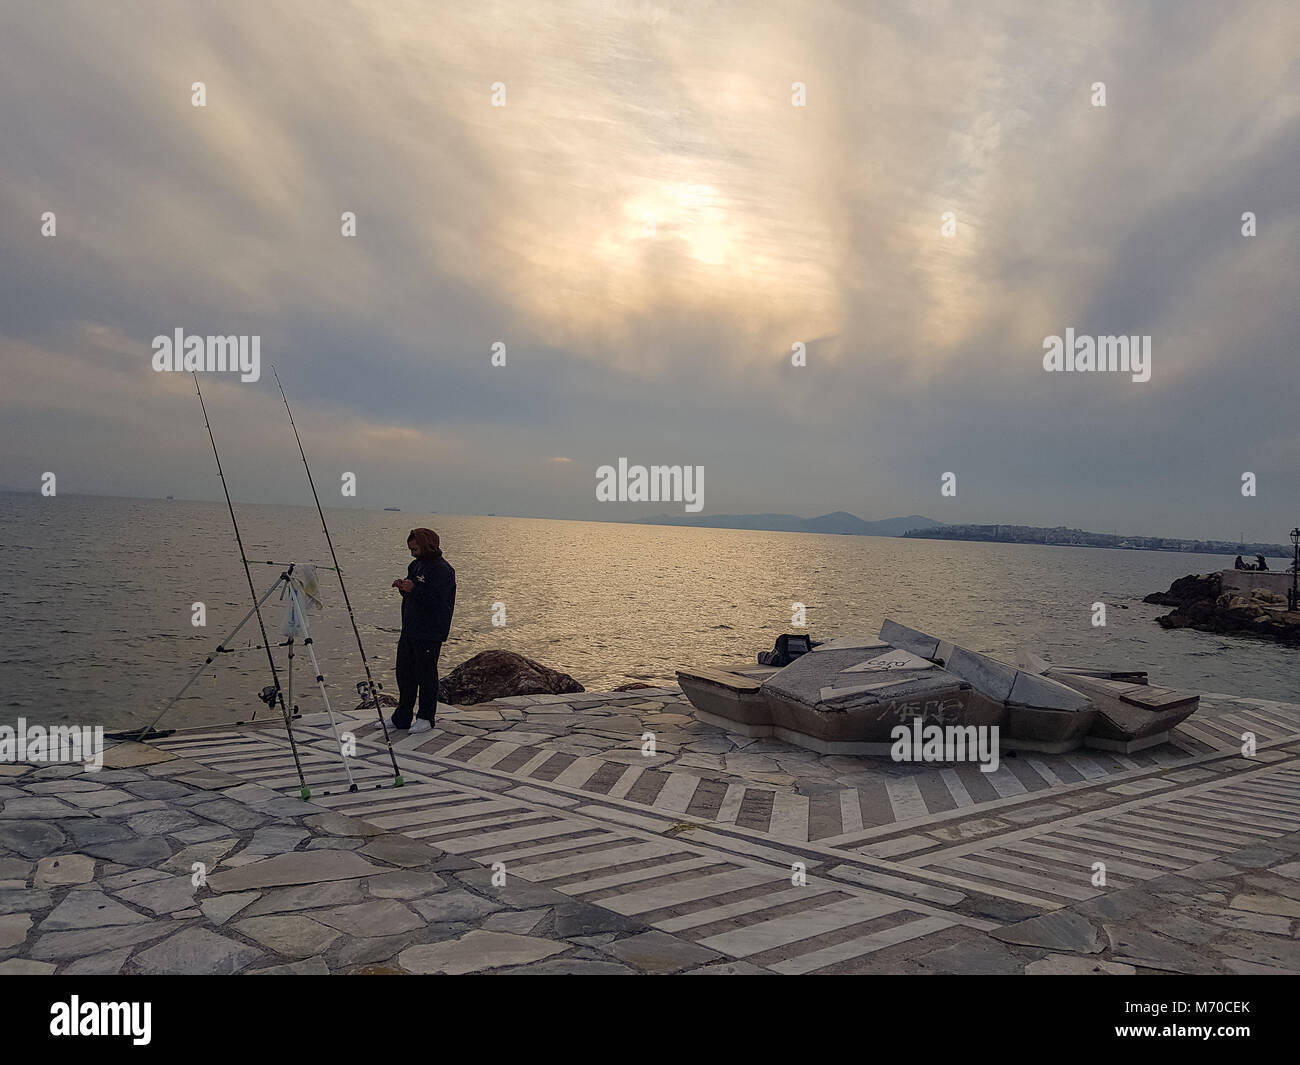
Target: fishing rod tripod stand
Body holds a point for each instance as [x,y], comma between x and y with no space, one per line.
[300,613]
[270,694]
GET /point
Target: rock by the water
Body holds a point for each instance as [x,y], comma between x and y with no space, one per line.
[384,700]
[498,674]
[1188,589]
[1200,602]
[634,686]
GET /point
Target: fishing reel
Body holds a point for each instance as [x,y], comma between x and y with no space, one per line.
[270,694]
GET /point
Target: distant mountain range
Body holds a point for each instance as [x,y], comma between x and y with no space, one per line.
[839,522]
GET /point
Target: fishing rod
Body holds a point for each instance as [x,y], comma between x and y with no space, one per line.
[370,680]
[257,603]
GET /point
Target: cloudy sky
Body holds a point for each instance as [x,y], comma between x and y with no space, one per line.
[649,224]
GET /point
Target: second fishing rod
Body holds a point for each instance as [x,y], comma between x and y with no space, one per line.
[370,680]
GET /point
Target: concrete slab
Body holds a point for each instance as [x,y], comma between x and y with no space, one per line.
[520,922]
[129,754]
[658,952]
[220,909]
[371,919]
[298,867]
[195,951]
[89,908]
[477,952]
[290,934]
[1072,965]
[13,929]
[64,869]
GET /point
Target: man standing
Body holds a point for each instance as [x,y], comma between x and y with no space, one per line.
[428,599]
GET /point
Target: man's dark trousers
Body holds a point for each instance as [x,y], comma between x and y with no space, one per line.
[417,669]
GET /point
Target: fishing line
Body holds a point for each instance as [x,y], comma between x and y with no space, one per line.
[212,657]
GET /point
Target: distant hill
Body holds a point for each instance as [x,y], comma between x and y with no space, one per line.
[839,522]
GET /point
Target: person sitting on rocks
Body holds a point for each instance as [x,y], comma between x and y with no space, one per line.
[1262,564]
[1239,564]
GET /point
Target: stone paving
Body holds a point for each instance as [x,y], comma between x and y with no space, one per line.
[617,861]
[96,877]
[594,745]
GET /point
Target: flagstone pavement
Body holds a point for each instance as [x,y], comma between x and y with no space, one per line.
[543,834]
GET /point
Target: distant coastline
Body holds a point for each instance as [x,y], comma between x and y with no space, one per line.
[1063,537]
[842,523]
[918,527]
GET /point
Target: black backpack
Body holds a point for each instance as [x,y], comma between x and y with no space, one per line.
[788,648]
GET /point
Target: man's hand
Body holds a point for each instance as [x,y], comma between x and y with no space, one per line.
[404,585]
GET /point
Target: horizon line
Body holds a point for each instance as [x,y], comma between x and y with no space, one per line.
[646,520]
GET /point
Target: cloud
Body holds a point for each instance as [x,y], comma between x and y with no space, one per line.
[648,225]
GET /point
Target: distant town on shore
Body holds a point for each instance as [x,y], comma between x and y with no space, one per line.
[1030,534]
[919,527]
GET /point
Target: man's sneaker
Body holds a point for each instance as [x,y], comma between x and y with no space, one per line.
[421,724]
[400,728]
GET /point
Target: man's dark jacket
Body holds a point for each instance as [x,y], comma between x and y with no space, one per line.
[427,608]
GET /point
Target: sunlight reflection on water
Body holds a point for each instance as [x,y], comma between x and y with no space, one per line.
[96,594]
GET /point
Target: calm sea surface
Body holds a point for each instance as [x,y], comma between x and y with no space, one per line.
[96,594]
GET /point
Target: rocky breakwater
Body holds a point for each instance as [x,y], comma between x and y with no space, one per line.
[1201,602]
